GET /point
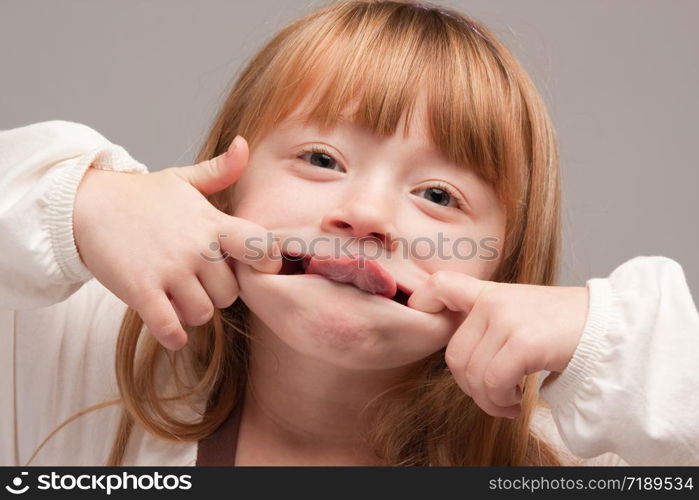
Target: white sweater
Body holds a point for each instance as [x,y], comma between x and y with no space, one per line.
[628,396]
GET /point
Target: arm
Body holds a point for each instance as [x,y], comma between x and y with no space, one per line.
[630,388]
[41,166]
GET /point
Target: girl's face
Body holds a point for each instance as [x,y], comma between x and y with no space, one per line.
[439,216]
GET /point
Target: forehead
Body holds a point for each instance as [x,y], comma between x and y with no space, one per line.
[415,133]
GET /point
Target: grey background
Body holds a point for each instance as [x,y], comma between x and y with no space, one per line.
[620,79]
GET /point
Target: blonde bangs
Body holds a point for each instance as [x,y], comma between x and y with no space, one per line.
[393,54]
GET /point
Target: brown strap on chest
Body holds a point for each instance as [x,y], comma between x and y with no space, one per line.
[219,448]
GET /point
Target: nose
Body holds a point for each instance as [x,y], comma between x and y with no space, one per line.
[367,214]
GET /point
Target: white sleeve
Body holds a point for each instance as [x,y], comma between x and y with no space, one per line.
[631,386]
[41,166]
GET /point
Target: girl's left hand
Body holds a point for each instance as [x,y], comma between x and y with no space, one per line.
[511,330]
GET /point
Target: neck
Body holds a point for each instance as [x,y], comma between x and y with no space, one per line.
[303,409]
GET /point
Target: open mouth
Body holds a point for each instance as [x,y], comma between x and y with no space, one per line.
[297,264]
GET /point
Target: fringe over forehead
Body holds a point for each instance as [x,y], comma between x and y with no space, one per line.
[378,58]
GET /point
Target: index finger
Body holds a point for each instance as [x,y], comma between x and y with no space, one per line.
[251,244]
[451,289]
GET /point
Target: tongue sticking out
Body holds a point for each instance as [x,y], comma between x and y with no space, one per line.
[365,274]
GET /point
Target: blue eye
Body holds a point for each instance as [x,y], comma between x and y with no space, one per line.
[439,192]
[321,157]
[442,194]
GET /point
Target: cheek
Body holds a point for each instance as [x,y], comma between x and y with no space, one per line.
[266,205]
[280,201]
[476,256]
[475,251]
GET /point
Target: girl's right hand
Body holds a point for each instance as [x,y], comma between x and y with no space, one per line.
[145,238]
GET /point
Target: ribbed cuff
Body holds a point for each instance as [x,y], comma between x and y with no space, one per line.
[117,159]
[592,345]
[61,200]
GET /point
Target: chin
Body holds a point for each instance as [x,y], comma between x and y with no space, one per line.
[339,324]
[330,332]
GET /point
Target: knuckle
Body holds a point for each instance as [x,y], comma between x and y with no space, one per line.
[169,334]
[463,386]
[451,360]
[501,321]
[140,288]
[439,279]
[471,376]
[205,166]
[202,315]
[225,302]
[523,341]
[491,380]
[454,360]
[165,329]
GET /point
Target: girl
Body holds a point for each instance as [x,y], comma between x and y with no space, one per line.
[379,125]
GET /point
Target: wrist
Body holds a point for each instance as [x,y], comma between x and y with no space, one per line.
[81,207]
[579,303]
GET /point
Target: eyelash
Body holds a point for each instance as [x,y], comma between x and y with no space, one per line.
[439,185]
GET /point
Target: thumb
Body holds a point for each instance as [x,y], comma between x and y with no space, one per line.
[211,176]
[454,290]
